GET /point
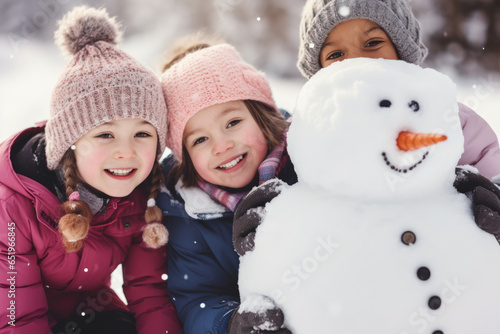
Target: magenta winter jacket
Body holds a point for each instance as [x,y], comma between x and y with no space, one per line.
[41,283]
[481,148]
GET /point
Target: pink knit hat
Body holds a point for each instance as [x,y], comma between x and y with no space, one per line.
[99,84]
[204,78]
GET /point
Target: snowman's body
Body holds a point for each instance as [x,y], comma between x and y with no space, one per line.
[360,277]
[402,256]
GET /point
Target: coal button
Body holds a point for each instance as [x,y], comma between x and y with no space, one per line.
[423,273]
[408,238]
[437,332]
[434,302]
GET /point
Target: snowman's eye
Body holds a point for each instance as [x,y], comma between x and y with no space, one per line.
[414,106]
[385,103]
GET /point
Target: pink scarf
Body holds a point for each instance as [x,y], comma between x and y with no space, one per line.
[268,169]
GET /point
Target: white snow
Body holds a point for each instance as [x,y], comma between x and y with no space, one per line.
[330,251]
[344,11]
[259,304]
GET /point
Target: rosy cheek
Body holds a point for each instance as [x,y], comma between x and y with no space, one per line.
[151,154]
[200,162]
[86,151]
[258,142]
[97,156]
[197,160]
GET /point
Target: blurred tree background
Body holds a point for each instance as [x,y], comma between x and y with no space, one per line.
[462,35]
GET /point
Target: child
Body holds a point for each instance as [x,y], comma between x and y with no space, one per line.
[97,155]
[226,136]
[333,30]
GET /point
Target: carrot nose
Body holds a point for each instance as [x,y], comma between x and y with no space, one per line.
[409,141]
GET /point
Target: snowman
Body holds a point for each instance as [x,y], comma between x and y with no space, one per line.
[374,238]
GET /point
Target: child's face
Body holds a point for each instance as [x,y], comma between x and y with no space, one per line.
[225,144]
[117,156]
[356,38]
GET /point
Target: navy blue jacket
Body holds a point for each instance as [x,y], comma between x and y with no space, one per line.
[202,263]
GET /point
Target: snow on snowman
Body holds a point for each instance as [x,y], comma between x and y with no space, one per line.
[374,238]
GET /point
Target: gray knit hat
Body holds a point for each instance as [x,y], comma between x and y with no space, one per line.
[319,17]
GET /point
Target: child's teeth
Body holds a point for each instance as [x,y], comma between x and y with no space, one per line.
[232,163]
[120,171]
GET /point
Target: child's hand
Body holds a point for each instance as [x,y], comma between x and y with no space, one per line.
[250,213]
[485,199]
[268,321]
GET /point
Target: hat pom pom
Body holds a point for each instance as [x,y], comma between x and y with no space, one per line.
[83,26]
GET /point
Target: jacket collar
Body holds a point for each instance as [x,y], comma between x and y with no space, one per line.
[44,201]
[198,204]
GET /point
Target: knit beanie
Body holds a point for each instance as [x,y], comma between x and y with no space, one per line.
[204,78]
[319,17]
[99,84]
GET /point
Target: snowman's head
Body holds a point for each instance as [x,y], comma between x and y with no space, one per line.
[374,128]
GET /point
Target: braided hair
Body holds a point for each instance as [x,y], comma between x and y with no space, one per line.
[74,225]
[155,234]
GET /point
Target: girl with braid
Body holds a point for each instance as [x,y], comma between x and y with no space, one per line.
[77,196]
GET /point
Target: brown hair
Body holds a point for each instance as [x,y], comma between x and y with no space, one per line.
[75,224]
[272,124]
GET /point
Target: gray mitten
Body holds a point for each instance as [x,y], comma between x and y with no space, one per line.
[250,212]
[485,199]
[268,321]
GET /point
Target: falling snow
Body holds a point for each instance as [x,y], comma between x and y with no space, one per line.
[344,11]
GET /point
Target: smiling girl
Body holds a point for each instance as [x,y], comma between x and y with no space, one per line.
[227,137]
[78,196]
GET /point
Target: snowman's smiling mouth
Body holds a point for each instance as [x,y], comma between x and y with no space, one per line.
[405,169]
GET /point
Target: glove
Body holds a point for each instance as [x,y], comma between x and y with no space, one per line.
[250,212]
[269,321]
[485,199]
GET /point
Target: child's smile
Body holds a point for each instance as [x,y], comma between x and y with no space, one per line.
[225,144]
[117,156]
[120,172]
[230,166]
